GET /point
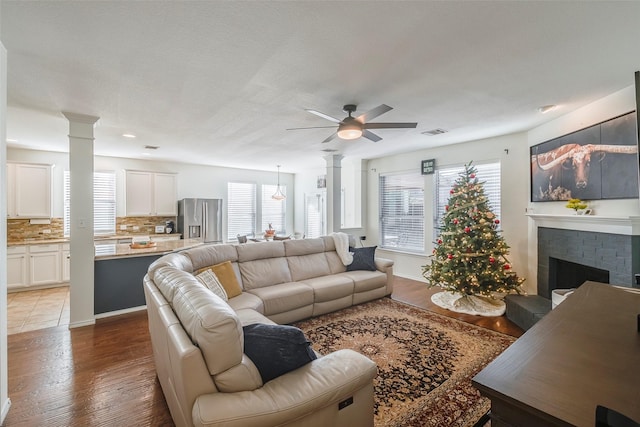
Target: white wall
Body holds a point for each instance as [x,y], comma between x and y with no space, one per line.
[614,105]
[514,195]
[193,180]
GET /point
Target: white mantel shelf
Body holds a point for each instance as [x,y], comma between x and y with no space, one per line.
[628,226]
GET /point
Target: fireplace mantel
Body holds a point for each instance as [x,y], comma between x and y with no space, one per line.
[628,226]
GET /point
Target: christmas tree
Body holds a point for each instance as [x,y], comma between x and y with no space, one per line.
[470,255]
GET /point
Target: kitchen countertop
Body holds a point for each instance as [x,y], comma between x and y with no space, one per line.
[96,239]
[112,251]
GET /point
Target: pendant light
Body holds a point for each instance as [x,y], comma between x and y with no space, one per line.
[278,195]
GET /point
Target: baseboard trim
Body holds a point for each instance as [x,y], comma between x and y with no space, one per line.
[82,323]
[5,410]
[119,312]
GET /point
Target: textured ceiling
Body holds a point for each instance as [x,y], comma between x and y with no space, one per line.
[219,83]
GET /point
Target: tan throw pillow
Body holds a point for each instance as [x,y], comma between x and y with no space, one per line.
[226,276]
[210,280]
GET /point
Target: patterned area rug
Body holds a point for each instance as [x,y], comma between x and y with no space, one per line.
[425,360]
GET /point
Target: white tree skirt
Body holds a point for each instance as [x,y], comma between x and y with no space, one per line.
[469,304]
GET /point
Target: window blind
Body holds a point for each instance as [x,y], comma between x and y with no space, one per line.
[488,173]
[313,224]
[402,211]
[274,211]
[241,209]
[104,203]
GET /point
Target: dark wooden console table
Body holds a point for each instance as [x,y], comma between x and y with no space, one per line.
[584,353]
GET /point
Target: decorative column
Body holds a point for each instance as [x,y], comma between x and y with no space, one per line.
[334,192]
[5,402]
[81,218]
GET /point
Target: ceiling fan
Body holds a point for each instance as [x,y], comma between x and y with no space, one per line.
[355,127]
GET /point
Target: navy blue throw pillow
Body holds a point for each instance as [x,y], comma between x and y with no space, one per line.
[276,349]
[363,259]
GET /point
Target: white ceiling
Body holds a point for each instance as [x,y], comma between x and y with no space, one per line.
[217,82]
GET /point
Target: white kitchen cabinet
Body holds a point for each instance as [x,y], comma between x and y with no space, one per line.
[65,254]
[17,273]
[150,194]
[28,190]
[45,265]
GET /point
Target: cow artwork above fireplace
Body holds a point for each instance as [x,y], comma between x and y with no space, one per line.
[598,162]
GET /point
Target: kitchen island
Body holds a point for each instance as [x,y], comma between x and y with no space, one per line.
[119,270]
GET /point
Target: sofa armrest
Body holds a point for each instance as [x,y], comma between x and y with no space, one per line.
[382,264]
[295,395]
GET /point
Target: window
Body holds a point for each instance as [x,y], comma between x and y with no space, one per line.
[314,215]
[104,202]
[402,212]
[241,209]
[274,211]
[488,173]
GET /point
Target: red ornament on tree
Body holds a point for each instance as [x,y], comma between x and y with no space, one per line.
[473,175]
[497,221]
[439,241]
[506,266]
[492,259]
[446,207]
[467,229]
[455,221]
[450,256]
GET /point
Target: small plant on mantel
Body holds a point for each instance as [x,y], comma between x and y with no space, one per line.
[576,204]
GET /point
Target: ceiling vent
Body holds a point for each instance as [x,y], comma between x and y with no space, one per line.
[151,147]
[434,132]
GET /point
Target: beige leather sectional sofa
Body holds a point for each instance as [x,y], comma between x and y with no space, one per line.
[198,342]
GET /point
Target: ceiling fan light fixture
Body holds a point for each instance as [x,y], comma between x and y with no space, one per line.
[350,131]
[278,195]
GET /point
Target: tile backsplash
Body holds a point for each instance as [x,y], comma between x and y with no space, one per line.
[19,230]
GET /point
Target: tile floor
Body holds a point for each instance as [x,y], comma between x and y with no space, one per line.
[37,309]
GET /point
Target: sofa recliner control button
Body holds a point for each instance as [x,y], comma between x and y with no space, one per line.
[345,403]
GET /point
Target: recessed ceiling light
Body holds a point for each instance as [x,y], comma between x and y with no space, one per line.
[11,140]
[434,132]
[547,108]
[128,135]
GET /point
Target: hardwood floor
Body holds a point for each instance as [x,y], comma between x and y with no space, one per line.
[103,375]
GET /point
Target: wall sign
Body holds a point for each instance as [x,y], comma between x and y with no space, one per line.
[428,166]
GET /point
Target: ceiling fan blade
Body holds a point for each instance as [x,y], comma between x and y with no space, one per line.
[370,135]
[372,114]
[312,127]
[389,125]
[324,116]
[331,137]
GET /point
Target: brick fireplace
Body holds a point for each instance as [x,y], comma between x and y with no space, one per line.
[617,254]
[604,249]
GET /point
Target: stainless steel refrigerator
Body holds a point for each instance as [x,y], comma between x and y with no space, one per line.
[200,219]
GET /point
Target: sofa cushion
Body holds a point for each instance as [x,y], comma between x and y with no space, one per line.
[211,324]
[206,255]
[276,349]
[364,280]
[303,247]
[307,266]
[264,272]
[284,297]
[210,280]
[261,250]
[331,287]
[363,259]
